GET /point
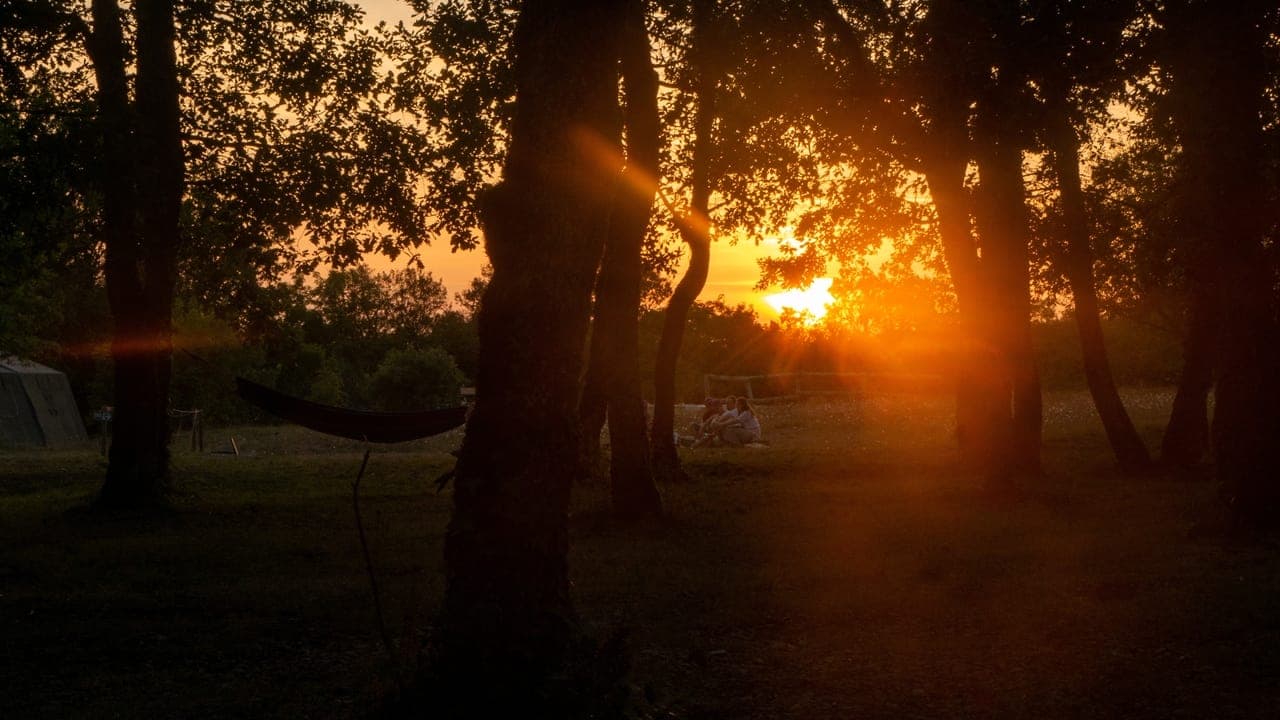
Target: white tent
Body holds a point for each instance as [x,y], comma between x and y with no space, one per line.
[36,405]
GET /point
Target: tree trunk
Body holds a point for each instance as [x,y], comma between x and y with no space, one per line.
[508,626]
[666,462]
[612,387]
[982,397]
[593,405]
[1128,447]
[634,494]
[1002,226]
[1186,438]
[1218,91]
[979,390]
[695,230]
[142,181]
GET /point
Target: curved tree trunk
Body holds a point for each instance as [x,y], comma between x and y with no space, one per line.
[1128,447]
[506,635]
[143,186]
[666,462]
[613,379]
[695,230]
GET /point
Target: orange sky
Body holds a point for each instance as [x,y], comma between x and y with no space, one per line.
[733,271]
[733,267]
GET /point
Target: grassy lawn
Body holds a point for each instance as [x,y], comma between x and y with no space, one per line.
[845,571]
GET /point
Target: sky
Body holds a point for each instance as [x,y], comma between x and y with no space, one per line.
[733,271]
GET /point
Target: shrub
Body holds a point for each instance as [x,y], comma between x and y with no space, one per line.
[416,379]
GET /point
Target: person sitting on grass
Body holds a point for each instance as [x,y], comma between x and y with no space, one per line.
[744,429]
[734,428]
[711,409]
[710,428]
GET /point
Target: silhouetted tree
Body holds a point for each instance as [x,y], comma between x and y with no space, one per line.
[695,229]
[1186,441]
[950,97]
[142,185]
[1078,64]
[612,386]
[947,92]
[507,630]
[268,120]
[1219,83]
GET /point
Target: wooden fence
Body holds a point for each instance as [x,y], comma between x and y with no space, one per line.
[826,383]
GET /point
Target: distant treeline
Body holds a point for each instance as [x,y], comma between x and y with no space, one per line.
[732,340]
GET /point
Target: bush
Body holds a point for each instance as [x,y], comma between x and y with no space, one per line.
[326,388]
[416,379]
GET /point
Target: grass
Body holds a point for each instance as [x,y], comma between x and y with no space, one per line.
[845,571]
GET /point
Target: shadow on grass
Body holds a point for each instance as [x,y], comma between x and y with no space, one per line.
[846,571]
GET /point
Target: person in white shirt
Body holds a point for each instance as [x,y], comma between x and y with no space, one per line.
[743,429]
[711,428]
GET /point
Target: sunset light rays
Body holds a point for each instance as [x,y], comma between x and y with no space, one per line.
[811,302]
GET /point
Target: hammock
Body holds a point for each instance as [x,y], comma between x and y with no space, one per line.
[379,427]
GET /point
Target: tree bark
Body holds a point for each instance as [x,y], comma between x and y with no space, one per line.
[1218,91]
[634,494]
[142,184]
[983,395]
[508,626]
[979,390]
[593,405]
[695,230]
[1002,226]
[1128,447]
[1186,438]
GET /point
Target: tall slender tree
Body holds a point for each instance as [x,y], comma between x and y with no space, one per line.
[612,387]
[1078,57]
[1128,447]
[245,148]
[695,229]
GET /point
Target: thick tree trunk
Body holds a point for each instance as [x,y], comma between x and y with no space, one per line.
[1002,225]
[979,391]
[1219,88]
[1128,447]
[508,625]
[983,397]
[1186,438]
[142,180]
[695,230]
[593,405]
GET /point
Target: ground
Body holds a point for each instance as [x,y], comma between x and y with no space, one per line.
[847,570]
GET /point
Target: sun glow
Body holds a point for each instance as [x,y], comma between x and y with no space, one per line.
[811,302]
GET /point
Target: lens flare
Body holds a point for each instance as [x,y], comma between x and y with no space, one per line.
[810,302]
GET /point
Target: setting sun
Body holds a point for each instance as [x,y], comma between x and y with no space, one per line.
[811,301]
